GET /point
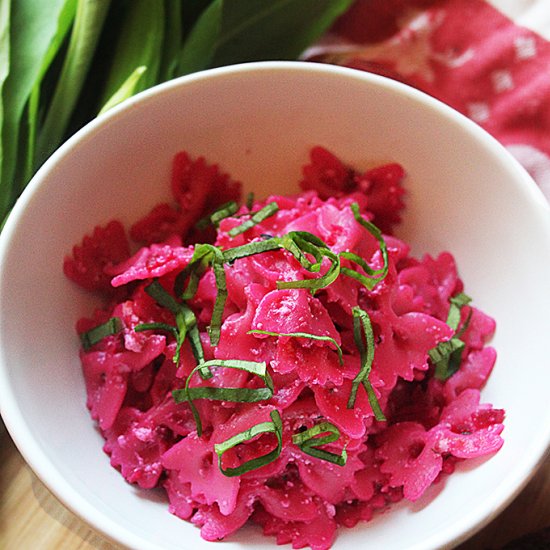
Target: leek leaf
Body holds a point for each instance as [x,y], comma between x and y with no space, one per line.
[90,15]
[235,31]
[33,25]
[139,44]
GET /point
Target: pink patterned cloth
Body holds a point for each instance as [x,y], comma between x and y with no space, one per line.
[488,60]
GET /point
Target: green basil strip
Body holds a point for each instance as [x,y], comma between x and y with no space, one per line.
[275,426]
[212,254]
[457,303]
[192,332]
[109,328]
[236,395]
[256,218]
[162,296]
[373,401]
[163,327]
[202,256]
[303,335]
[224,211]
[214,329]
[178,333]
[250,249]
[370,280]
[319,282]
[300,243]
[373,275]
[362,327]
[465,325]
[447,356]
[309,442]
[250,200]
[186,323]
[289,243]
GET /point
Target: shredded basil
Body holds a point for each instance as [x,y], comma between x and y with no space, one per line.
[186,323]
[256,218]
[373,276]
[275,426]
[309,442]
[214,330]
[109,328]
[447,356]
[362,327]
[203,256]
[300,243]
[457,303]
[162,296]
[224,211]
[163,327]
[250,249]
[250,200]
[235,395]
[303,335]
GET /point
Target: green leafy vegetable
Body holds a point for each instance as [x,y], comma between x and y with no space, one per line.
[65,20]
[252,30]
[186,323]
[250,200]
[236,395]
[307,335]
[249,249]
[362,328]
[165,327]
[32,26]
[256,218]
[224,211]
[162,296]
[173,37]
[373,276]
[447,356]
[204,255]
[300,243]
[93,336]
[139,44]
[86,30]
[64,61]
[309,442]
[199,49]
[127,89]
[275,427]
[4,65]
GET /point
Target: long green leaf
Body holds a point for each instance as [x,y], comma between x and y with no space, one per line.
[126,90]
[173,33]
[33,24]
[252,30]
[200,47]
[4,60]
[139,43]
[64,23]
[90,15]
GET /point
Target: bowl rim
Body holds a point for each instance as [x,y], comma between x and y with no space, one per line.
[13,416]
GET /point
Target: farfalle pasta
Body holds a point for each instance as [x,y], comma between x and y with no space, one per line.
[285,361]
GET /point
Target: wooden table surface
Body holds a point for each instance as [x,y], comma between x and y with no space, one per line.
[31,518]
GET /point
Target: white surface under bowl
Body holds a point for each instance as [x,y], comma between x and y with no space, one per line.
[258,121]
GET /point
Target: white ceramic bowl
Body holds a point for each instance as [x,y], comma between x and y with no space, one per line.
[258,121]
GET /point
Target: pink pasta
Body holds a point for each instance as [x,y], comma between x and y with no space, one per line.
[310,317]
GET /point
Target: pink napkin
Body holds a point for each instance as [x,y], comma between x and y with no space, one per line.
[488,60]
